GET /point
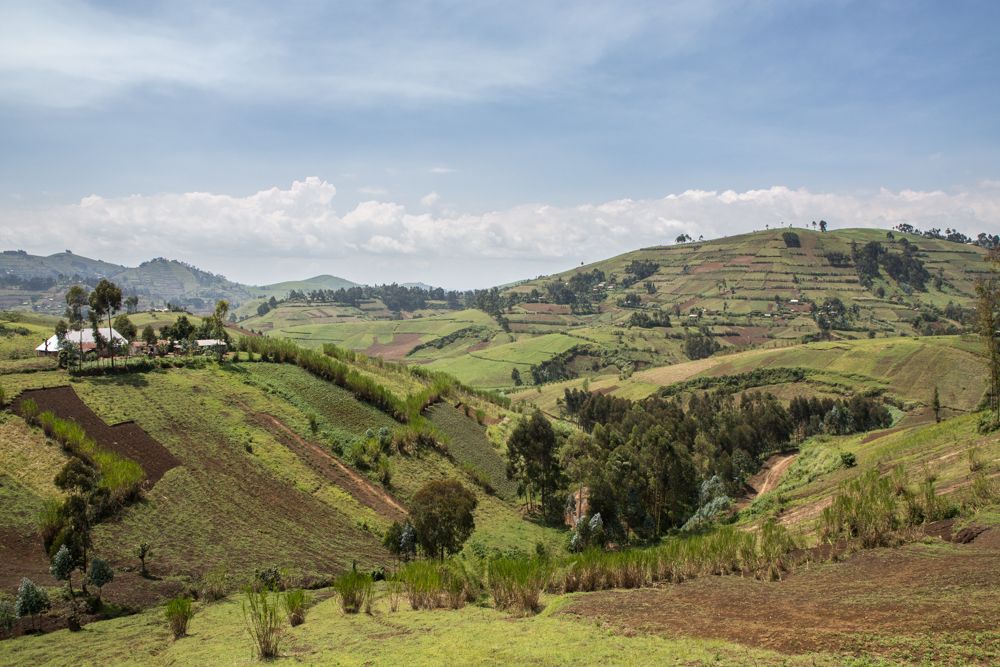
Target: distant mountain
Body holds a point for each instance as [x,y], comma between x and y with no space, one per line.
[323,282]
[423,286]
[38,282]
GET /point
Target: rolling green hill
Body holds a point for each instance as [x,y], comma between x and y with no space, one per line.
[757,290]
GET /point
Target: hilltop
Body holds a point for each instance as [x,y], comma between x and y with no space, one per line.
[664,305]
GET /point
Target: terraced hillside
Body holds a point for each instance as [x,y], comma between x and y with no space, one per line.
[261,474]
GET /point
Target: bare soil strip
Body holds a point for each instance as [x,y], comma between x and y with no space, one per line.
[327,465]
[126,439]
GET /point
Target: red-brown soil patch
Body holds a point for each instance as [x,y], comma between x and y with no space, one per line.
[126,439]
[747,336]
[329,467]
[21,555]
[919,603]
[400,346]
[481,345]
[707,267]
[545,308]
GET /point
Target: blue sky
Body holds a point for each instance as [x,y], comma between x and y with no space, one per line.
[480,132]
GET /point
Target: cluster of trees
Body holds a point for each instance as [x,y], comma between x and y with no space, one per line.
[700,344]
[837,417]
[648,320]
[639,269]
[791,240]
[904,267]
[554,369]
[833,314]
[644,462]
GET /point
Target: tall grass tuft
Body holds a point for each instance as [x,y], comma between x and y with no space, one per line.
[355,590]
[394,591]
[865,508]
[516,584]
[262,616]
[296,603]
[179,612]
[423,583]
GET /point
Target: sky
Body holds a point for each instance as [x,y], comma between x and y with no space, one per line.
[468,144]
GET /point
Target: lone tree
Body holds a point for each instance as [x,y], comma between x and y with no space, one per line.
[533,460]
[442,516]
[106,299]
[142,553]
[100,574]
[400,540]
[936,405]
[149,335]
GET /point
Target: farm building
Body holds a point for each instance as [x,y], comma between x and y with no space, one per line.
[83,339]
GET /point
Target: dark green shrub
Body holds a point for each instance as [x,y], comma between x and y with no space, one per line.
[848,459]
[31,601]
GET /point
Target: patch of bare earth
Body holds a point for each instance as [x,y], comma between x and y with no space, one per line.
[126,439]
[401,345]
[919,603]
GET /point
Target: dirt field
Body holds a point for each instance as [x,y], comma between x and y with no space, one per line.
[126,439]
[933,602]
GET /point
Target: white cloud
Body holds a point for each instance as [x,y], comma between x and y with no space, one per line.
[442,170]
[301,221]
[373,190]
[430,199]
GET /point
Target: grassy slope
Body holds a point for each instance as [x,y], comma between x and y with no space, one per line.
[472,635]
[906,368]
[939,449]
[203,512]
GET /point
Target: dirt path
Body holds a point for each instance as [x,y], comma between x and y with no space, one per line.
[775,472]
[768,477]
[333,470]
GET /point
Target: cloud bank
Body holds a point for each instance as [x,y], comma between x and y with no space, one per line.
[302,221]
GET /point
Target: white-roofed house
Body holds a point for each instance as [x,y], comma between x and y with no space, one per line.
[81,340]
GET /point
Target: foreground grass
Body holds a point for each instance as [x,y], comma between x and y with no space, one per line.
[473,635]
